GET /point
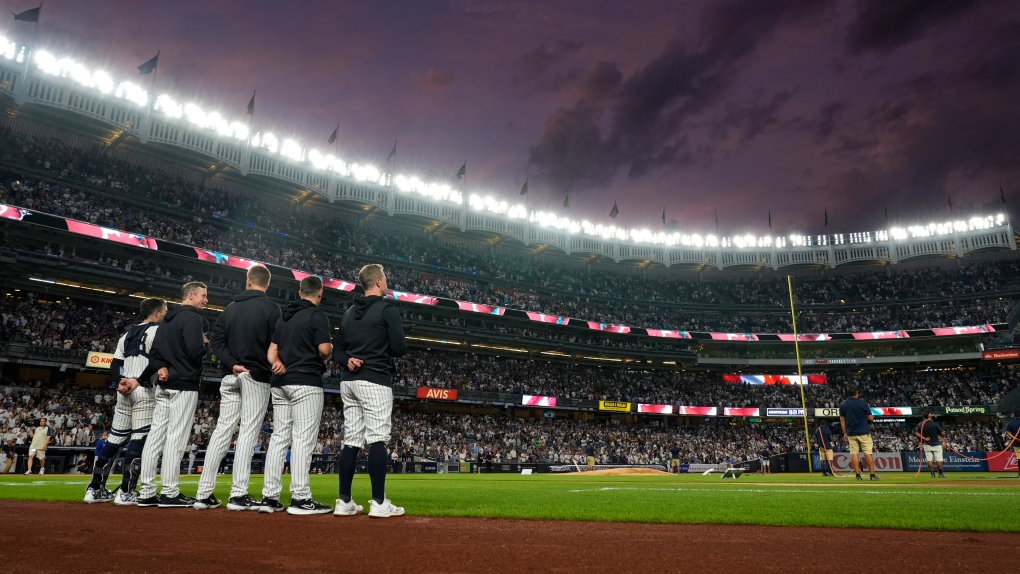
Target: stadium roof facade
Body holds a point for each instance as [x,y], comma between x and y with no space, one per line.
[69,96]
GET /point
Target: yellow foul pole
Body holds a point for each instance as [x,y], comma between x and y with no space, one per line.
[800,375]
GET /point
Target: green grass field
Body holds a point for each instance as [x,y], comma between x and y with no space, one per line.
[899,501]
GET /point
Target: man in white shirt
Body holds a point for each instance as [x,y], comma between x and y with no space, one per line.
[40,441]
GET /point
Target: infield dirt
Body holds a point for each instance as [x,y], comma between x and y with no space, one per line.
[63,537]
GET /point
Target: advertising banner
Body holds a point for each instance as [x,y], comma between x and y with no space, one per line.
[409,297]
[966,410]
[698,411]
[536,401]
[1002,355]
[877,411]
[891,411]
[616,406]
[668,334]
[437,394]
[881,335]
[793,412]
[656,409]
[741,412]
[1003,463]
[733,336]
[884,462]
[99,360]
[479,308]
[776,379]
[951,462]
[543,318]
[968,330]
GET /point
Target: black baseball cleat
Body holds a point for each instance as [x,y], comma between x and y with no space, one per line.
[151,501]
[210,502]
[859,477]
[179,501]
[308,506]
[270,505]
[942,475]
[245,502]
[875,477]
[933,475]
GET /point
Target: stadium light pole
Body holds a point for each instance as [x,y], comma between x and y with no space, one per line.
[800,375]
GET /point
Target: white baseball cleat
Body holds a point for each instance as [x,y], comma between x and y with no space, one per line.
[126,498]
[347,508]
[384,510]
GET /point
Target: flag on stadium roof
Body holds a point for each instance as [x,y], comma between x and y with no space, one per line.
[664,215]
[149,66]
[332,136]
[1002,196]
[462,171]
[615,211]
[950,203]
[770,219]
[566,201]
[827,217]
[31,15]
[251,104]
[393,152]
[524,188]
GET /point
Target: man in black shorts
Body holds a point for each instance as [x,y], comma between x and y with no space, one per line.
[823,441]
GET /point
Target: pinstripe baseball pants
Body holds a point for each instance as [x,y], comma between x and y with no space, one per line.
[297,410]
[171,426]
[243,399]
[368,413]
[133,415]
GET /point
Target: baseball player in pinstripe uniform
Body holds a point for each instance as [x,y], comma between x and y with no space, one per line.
[297,355]
[177,352]
[132,416]
[370,336]
[240,340]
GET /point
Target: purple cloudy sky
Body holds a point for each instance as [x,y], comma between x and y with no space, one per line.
[744,105]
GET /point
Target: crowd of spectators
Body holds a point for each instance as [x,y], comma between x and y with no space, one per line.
[78,416]
[488,373]
[81,185]
[60,322]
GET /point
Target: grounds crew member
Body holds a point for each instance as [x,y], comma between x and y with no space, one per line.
[930,432]
[854,416]
[823,440]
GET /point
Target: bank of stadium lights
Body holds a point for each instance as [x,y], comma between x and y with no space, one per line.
[479,203]
[434,191]
[10,51]
[946,228]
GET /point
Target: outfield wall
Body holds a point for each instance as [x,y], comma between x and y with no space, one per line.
[909,461]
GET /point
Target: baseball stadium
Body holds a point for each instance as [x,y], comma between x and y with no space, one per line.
[574,396]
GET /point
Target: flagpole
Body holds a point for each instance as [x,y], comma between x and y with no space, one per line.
[152,88]
[251,116]
[35,34]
